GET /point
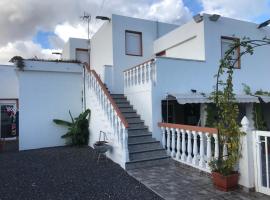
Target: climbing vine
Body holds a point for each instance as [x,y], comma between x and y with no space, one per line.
[229,133]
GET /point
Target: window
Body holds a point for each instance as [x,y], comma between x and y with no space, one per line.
[226,44]
[133,43]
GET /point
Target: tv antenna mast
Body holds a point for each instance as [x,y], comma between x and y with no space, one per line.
[87,17]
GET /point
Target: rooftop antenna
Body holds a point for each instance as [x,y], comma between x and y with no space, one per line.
[87,17]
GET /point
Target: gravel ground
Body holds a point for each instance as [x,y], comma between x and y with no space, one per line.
[66,173]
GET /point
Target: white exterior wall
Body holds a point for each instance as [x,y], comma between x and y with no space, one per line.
[99,122]
[255,68]
[69,50]
[9,82]
[101,49]
[47,91]
[187,41]
[151,30]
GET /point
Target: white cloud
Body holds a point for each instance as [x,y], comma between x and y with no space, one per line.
[26,49]
[65,31]
[240,9]
[20,20]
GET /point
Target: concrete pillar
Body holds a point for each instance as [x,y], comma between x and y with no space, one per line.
[246,162]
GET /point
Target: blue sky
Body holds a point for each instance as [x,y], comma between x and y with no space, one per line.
[42,38]
[195,6]
[36,28]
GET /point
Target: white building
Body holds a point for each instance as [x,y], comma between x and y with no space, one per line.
[143,62]
[143,73]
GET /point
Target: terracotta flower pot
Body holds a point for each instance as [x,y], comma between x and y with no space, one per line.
[225,183]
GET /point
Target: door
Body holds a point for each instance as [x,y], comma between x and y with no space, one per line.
[8,120]
[262,165]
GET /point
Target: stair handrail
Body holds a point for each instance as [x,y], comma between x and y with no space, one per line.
[189,127]
[115,107]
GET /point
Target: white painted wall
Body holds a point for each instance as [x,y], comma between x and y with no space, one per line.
[187,41]
[8,82]
[101,49]
[99,122]
[151,31]
[69,49]
[47,90]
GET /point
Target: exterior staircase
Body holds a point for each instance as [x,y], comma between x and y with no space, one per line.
[144,151]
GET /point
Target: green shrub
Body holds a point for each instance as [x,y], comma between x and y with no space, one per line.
[78,128]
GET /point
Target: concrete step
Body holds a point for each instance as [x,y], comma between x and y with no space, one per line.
[128,115]
[134,120]
[147,162]
[120,100]
[134,131]
[125,110]
[118,96]
[139,132]
[124,105]
[144,146]
[140,138]
[147,154]
[136,125]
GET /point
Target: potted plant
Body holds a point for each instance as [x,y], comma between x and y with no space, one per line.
[102,145]
[224,172]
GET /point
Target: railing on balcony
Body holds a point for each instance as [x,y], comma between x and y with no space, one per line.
[109,107]
[140,74]
[191,145]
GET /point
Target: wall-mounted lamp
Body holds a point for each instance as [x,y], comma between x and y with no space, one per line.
[198,18]
[214,17]
[103,18]
[266,23]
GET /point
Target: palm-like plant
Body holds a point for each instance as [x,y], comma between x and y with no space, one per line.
[78,128]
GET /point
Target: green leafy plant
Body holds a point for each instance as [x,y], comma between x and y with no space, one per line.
[78,128]
[229,133]
[18,61]
[258,115]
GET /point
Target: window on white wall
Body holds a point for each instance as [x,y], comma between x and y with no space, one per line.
[133,43]
[226,44]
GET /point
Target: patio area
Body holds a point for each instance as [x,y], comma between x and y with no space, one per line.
[66,173]
[178,181]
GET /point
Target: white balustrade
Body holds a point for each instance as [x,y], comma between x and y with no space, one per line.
[195,146]
[140,75]
[116,121]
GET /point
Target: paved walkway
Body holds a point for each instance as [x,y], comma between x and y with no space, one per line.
[177,181]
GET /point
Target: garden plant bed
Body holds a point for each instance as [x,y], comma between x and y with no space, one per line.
[66,173]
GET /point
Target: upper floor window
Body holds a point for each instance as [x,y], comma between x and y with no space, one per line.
[226,44]
[133,43]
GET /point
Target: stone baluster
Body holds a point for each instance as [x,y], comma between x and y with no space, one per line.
[189,147]
[178,154]
[202,161]
[163,137]
[144,73]
[208,149]
[128,78]
[149,71]
[141,74]
[125,78]
[125,142]
[168,141]
[216,146]
[173,142]
[111,112]
[137,75]
[183,156]
[195,149]
[134,76]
